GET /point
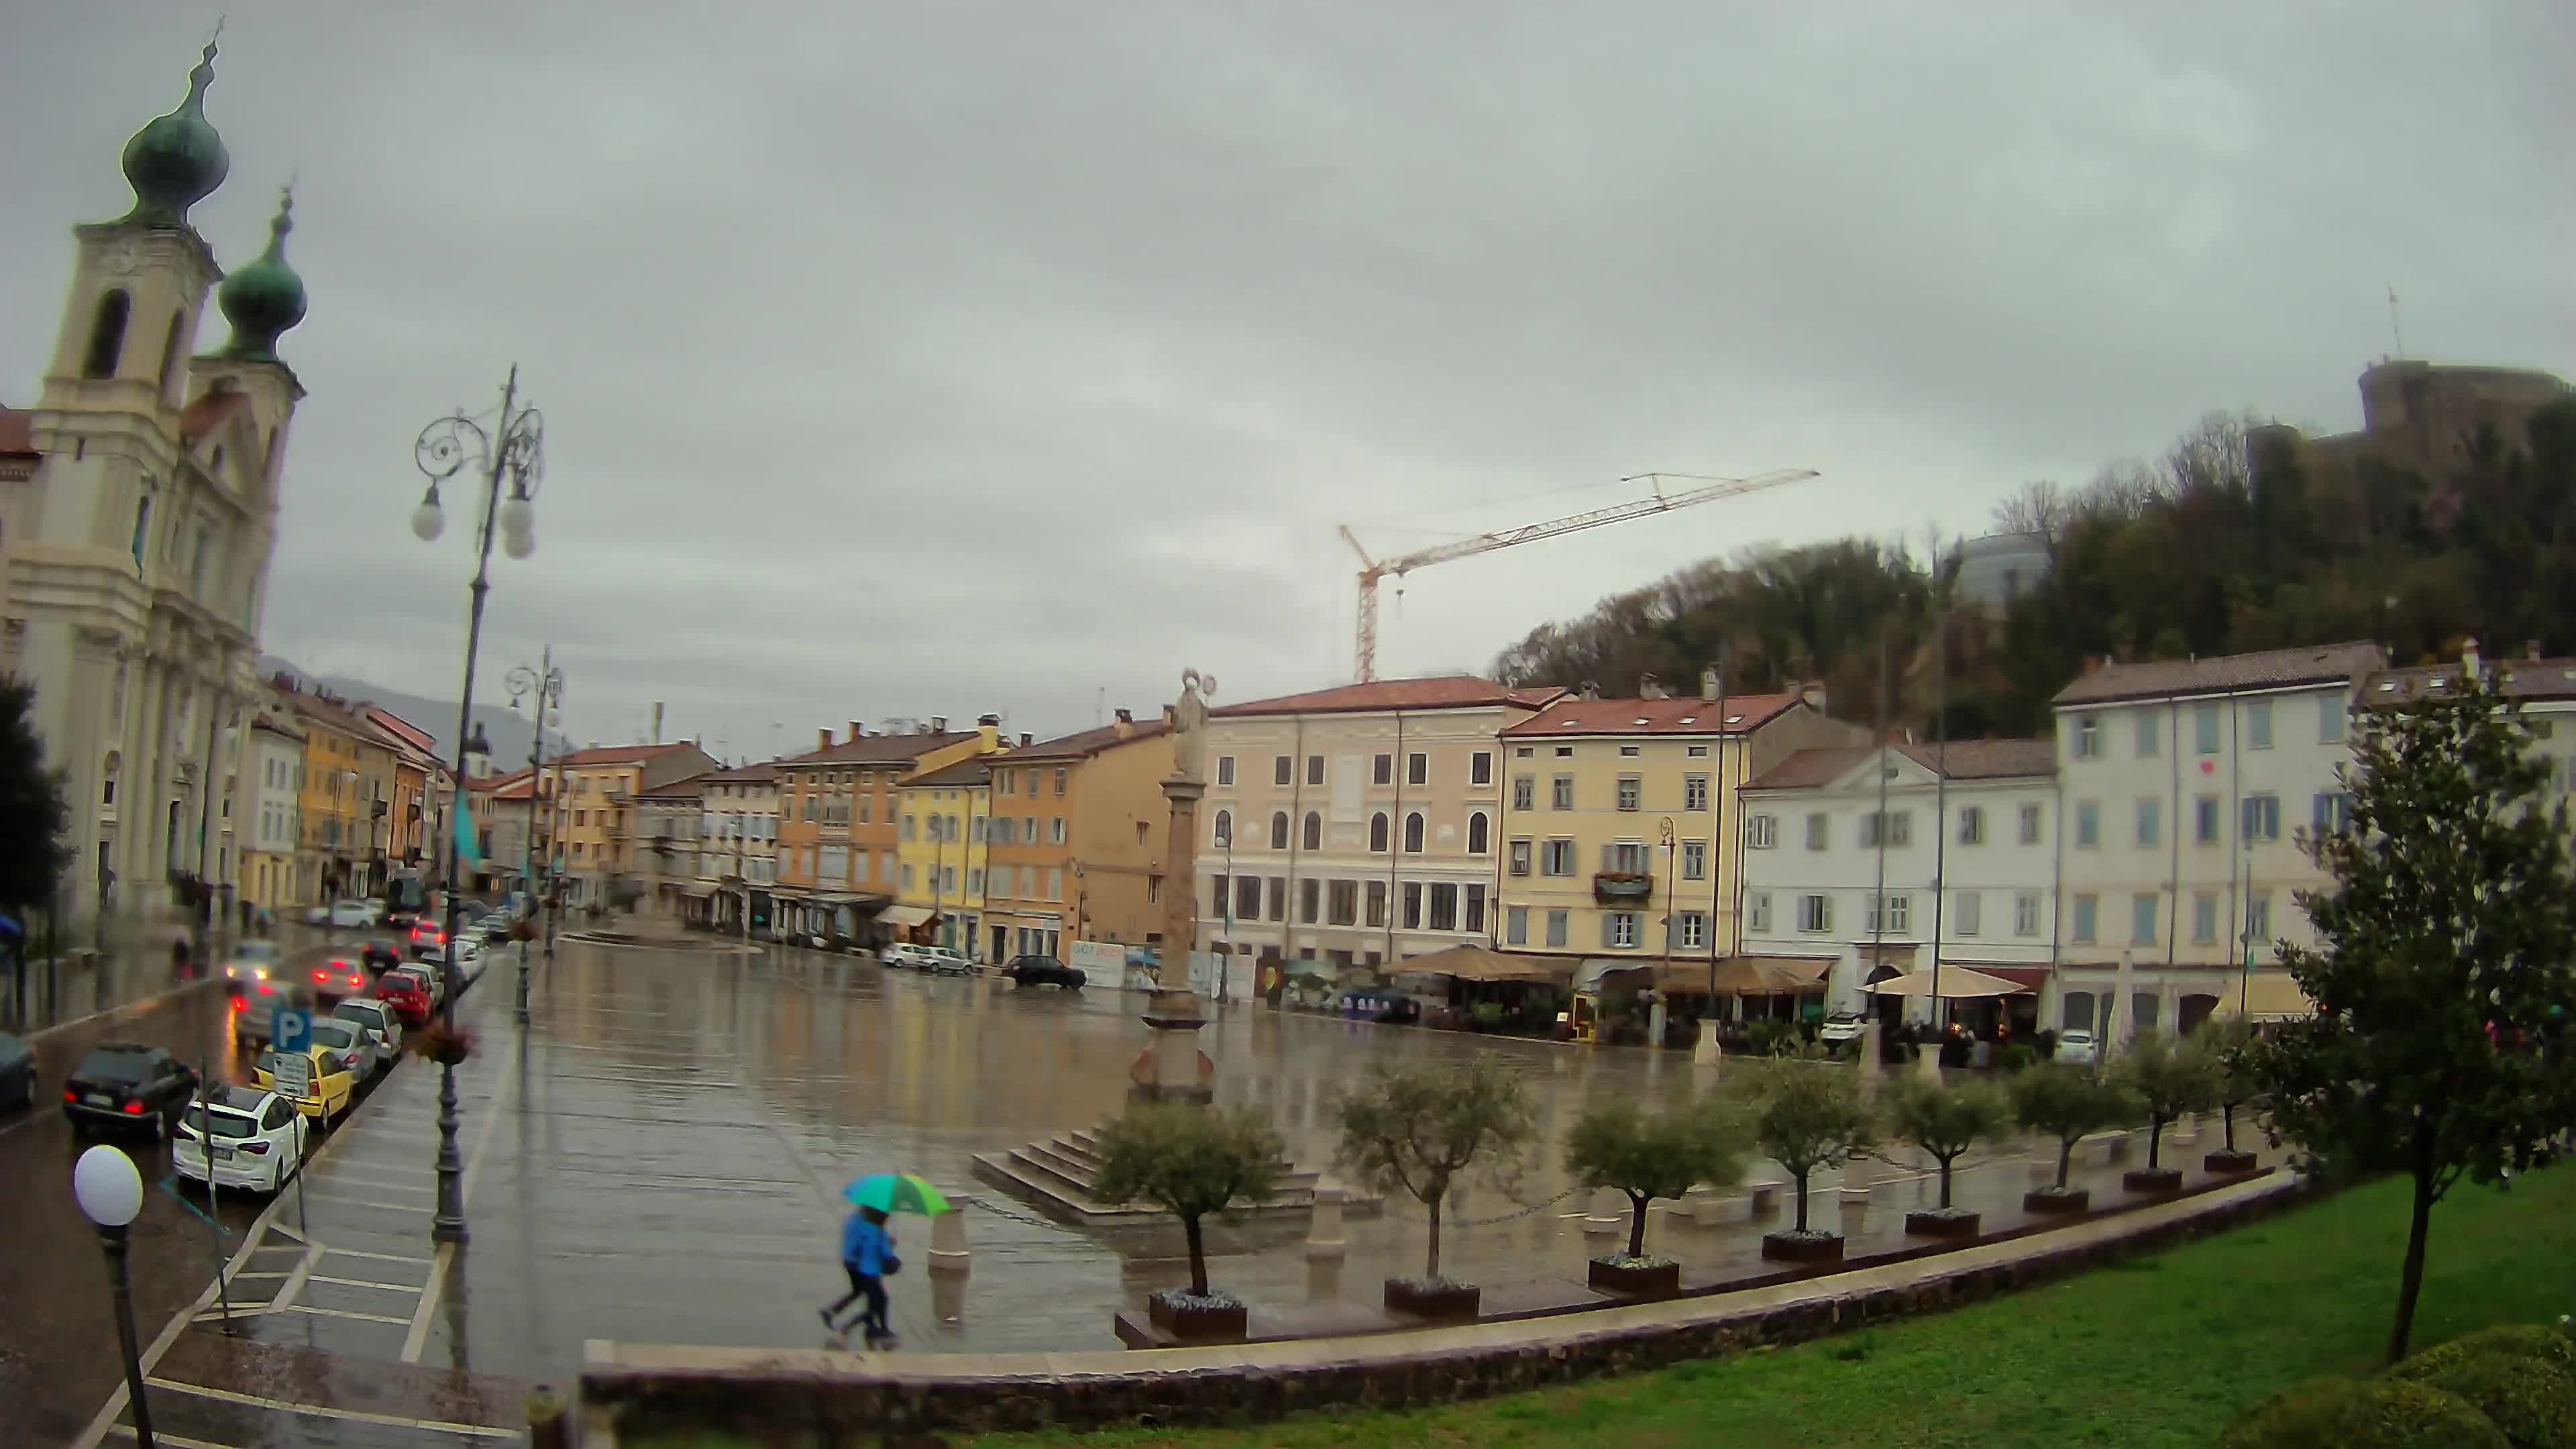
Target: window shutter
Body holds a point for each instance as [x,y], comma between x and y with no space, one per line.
[1672,930]
[1606,937]
[1607,856]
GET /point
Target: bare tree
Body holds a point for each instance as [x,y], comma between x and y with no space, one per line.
[2041,507]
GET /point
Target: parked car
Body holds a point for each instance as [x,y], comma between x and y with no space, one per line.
[250,961]
[17,1072]
[938,959]
[333,1083]
[339,977]
[349,1046]
[239,1137]
[428,941]
[407,991]
[380,954]
[2078,1047]
[356,915]
[1043,971]
[253,1008]
[127,1084]
[379,1020]
[1841,1027]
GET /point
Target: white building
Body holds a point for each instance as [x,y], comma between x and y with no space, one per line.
[2184,784]
[737,846]
[1961,869]
[2544,688]
[268,824]
[139,539]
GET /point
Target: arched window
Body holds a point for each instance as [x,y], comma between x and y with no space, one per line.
[1225,827]
[1279,830]
[1377,831]
[1314,830]
[1479,834]
[170,353]
[107,788]
[1413,833]
[107,335]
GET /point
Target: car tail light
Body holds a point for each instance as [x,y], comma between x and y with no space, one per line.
[267,990]
[133,1108]
[254,1148]
[70,1096]
[321,975]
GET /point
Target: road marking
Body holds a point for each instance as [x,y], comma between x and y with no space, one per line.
[379,1257]
[173,1440]
[366,1283]
[368,1202]
[419,1334]
[355,1416]
[342,1179]
[402,1167]
[341,1313]
[237,1277]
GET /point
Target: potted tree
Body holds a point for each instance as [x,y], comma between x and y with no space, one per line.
[1417,1129]
[1646,1156]
[1191,1161]
[2232,1086]
[2164,1079]
[2066,1102]
[1945,1122]
[1809,1113]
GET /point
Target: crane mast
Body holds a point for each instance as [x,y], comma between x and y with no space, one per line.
[1374,569]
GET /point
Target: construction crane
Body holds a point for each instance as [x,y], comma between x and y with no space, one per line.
[1372,570]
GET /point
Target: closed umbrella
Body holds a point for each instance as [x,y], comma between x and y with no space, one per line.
[897,1192]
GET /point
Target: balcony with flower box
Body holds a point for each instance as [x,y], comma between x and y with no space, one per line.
[1622,887]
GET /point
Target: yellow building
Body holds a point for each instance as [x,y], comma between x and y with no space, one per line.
[837,848]
[594,818]
[345,807]
[941,818]
[1620,818]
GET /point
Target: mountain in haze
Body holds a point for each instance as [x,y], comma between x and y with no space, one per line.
[511,733]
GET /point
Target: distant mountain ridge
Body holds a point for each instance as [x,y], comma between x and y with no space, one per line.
[510,732]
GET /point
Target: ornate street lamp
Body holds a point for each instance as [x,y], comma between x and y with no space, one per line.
[110,1193]
[546,683]
[512,449]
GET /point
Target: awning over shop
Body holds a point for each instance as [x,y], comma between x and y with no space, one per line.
[1957,983]
[907,917]
[2028,978]
[1477,963]
[1760,976]
[2265,996]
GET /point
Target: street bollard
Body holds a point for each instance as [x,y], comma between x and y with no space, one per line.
[550,1421]
[1324,1238]
[948,1242]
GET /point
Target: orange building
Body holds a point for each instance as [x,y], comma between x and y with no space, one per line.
[836,824]
[1074,843]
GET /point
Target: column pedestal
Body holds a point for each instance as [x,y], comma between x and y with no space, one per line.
[1171,1068]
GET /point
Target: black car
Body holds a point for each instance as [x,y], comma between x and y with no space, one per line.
[381,955]
[127,1084]
[1042,971]
[17,1073]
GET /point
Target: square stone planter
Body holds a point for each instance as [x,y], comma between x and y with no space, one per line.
[1791,1246]
[2055,1200]
[1636,1277]
[1428,1299]
[1941,1223]
[1218,1318]
[2152,1179]
[2224,1163]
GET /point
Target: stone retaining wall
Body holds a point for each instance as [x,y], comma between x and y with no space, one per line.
[779,1397]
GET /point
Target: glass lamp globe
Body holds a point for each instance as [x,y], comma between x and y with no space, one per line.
[428,521]
[517,515]
[109,1190]
[518,543]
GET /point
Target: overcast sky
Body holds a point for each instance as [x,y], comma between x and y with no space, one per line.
[941,358]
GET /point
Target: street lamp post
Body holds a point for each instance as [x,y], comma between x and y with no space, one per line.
[546,683]
[511,449]
[1671,854]
[110,1193]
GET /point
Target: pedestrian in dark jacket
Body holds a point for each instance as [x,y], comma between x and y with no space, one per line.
[867,1253]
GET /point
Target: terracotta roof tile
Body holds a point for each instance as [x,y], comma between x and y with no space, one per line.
[762,773]
[879,749]
[1964,760]
[2268,669]
[1452,691]
[17,431]
[616,755]
[2519,679]
[209,412]
[1086,743]
[1571,716]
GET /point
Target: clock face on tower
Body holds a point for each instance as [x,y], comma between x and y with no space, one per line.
[122,258]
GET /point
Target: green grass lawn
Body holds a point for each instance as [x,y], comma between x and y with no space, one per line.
[2160,1351]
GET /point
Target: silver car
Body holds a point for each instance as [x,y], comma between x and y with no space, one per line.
[378,1021]
[351,1045]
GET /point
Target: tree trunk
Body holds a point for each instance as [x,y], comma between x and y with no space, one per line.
[1802,1202]
[1198,1255]
[2065,1160]
[2410,1282]
[2227,1124]
[1945,1180]
[2155,1141]
[1636,1226]
[1431,1263]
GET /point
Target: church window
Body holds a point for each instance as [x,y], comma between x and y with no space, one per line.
[107,790]
[142,526]
[170,350]
[107,335]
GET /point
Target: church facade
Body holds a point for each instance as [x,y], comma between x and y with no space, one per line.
[137,529]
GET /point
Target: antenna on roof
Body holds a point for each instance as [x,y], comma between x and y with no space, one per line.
[2396,325]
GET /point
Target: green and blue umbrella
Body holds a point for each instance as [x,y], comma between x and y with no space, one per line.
[897,1192]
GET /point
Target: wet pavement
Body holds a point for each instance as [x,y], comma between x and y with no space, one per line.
[53,991]
[660,1158]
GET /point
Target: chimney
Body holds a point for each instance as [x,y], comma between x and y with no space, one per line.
[1026,739]
[1813,692]
[1591,690]
[857,729]
[822,739]
[989,727]
[1126,724]
[2531,650]
[939,724]
[1171,716]
[2469,659]
[1711,687]
[1649,687]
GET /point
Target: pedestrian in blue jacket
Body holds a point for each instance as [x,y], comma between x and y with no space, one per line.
[867,1252]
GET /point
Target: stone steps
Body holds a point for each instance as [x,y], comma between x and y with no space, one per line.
[1061,1177]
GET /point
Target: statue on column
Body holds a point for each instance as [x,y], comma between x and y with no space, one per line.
[1189,727]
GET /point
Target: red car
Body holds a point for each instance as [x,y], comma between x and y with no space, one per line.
[406,994]
[339,977]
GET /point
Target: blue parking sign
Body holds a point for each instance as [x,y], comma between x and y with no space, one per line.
[290,1030]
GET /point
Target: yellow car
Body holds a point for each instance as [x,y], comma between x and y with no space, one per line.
[333,1082]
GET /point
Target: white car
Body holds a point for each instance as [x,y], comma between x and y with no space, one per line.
[929,958]
[252,961]
[352,915]
[2078,1047]
[378,1021]
[245,1137]
[1841,1027]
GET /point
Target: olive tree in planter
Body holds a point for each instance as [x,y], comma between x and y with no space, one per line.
[1191,1161]
[1809,1113]
[1646,1156]
[2232,1087]
[2164,1079]
[2066,1102]
[1946,1122]
[1418,1129]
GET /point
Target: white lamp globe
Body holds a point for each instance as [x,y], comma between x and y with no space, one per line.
[109,1190]
[428,521]
[519,543]
[517,515]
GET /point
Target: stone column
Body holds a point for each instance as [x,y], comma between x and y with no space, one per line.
[1172,1068]
[1324,1240]
[1704,1052]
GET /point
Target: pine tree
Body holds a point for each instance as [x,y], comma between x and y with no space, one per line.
[33,815]
[2445,969]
